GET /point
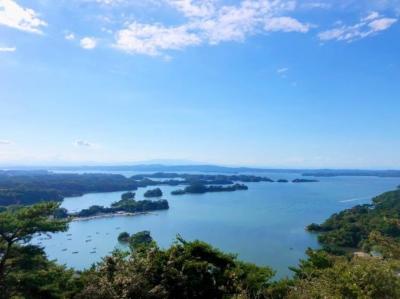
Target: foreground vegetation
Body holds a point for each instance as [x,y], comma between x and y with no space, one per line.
[197,270]
[369,227]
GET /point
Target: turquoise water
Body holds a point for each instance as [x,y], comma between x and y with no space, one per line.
[264,225]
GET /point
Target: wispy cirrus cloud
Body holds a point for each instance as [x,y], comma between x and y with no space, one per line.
[15,16]
[282,70]
[316,5]
[8,49]
[5,142]
[286,24]
[208,22]
[83,143]
[367,26]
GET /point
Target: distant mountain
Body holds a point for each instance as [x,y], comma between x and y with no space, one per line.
[173,168]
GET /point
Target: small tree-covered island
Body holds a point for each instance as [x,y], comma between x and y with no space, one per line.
[360,258]
[200,189]
[125,206]
[153,193]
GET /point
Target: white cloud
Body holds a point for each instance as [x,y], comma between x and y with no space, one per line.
[109,2]
[70,36]
[194,8]
[372,16]
[316,5]
[286,24]
[208,24]
[83,143]
[5,142]
[382,24]
[151,39]
[106,2]
[18,17]
[88,43]
[282,70]
[8,49]
[367,26]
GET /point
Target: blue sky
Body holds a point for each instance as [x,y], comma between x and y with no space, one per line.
[273,83]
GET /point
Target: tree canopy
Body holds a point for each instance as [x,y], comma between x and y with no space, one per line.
[24,269]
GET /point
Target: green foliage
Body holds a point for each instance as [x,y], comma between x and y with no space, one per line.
[185,270]
[200,189]
[387,246]
[367,278]
[140,239]
[24,269]
[128,195]
[153,193]
[61,213]
[125,205]
[123,237]
[352,227]
[317,260]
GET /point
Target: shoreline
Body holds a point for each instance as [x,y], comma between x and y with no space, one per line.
[111,215]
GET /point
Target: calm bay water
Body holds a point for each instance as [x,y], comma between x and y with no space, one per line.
[264,225]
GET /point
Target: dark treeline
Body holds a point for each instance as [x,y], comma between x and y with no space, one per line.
[27,188]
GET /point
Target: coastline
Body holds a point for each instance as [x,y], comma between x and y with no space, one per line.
[111,215]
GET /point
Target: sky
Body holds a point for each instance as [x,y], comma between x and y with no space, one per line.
[267,83]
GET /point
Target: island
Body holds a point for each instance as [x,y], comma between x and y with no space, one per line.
[282,181]
[123,237]
[153,193]
[200,189]
[128,195]
[124,207]
[139,239]
[304,181]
